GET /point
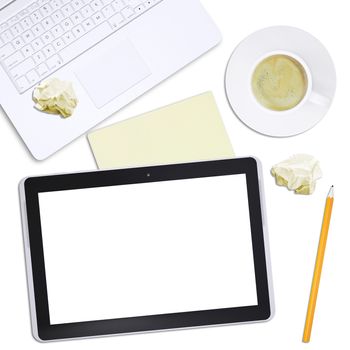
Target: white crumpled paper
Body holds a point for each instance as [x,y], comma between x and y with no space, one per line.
[55,96]
[298,173]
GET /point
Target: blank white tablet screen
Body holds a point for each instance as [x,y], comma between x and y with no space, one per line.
[146,249]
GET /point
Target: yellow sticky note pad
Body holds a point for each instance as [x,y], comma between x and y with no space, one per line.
[190,130]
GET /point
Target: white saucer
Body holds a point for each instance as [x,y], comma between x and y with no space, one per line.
[298,44]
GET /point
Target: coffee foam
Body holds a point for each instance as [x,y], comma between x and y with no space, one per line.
[279,82]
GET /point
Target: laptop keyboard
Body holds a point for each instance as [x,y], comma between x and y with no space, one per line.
[50,33]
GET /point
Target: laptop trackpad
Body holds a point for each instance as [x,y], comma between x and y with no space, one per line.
[110,74]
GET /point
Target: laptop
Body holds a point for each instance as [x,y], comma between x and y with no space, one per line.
[112,51]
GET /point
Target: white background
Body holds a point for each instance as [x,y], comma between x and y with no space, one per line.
[147,249]
[294,221]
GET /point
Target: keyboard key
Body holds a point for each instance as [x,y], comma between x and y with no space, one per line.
[116,21]
[54,62]
[32,77]
[57,16]
[88,24]
[27,51]
[22,68]
[118,5]
[42,69]
[67,24]
[38,29]
[23,13]
[87,11]
[36,17]
[98,18]
[34,6]
[67,10]
[28,36]
[78,31]
[55,4]
[68,37]
[3,27]
[22,83]
[108,11]
[140,8]
[148,3]
[18,43]
[77,4]
[6,51]
[13,20]
[46,10]
[96,5]
[37,44]
[39,57]
[26,23]
[49,50]
[77,18]
[16,29]
[47,38]
[57,31]
[58,44]
[6,36]
[11,61]
[48,23]
[128,12]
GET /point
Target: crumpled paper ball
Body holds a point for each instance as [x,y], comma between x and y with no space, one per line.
[55,96]
[298,173]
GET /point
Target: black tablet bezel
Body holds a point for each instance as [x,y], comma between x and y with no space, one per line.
[35,185]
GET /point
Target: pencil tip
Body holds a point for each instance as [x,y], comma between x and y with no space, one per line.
[331,192]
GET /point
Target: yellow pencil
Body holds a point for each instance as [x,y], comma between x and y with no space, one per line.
[318,266]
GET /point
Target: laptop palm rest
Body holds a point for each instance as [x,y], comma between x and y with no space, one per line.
[109,75]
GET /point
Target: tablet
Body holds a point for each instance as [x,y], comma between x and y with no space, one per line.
[145,249]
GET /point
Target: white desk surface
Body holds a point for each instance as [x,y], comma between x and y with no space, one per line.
[293,241]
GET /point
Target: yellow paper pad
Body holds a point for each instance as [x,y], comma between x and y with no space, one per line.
[190,130]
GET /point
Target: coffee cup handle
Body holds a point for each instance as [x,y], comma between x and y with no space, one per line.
[319,99]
